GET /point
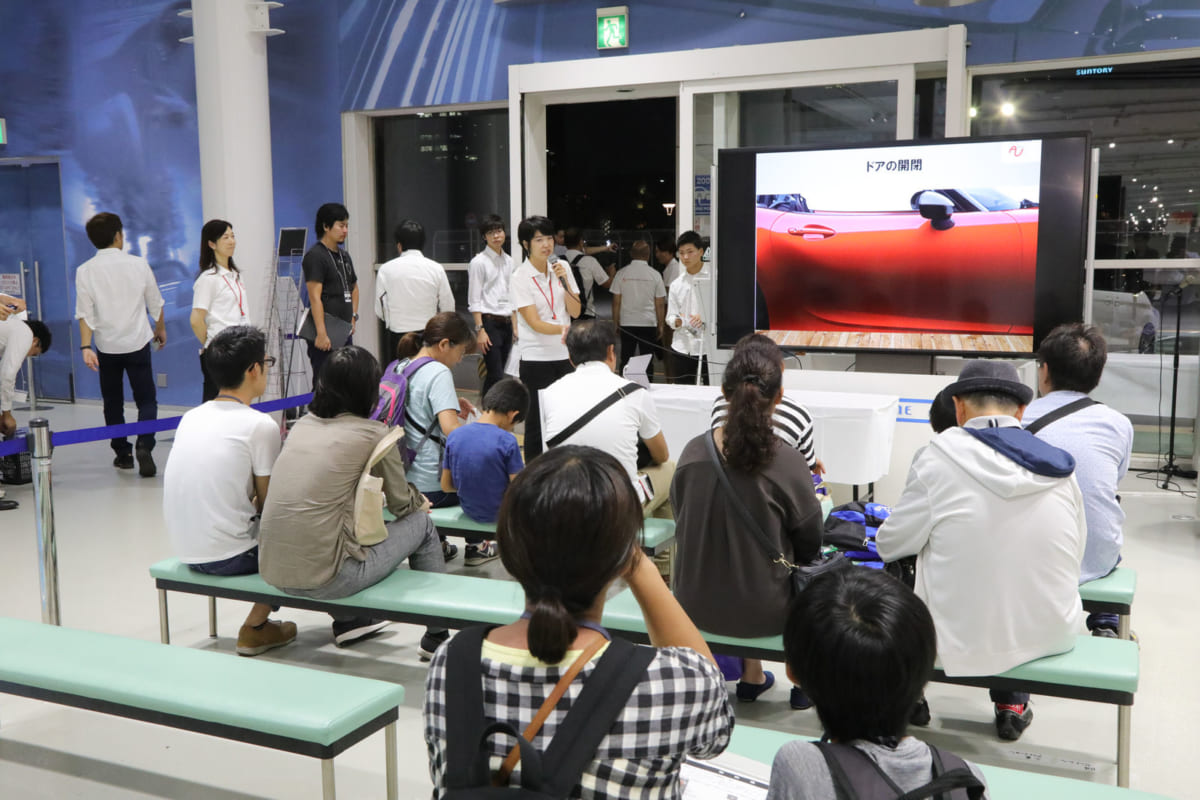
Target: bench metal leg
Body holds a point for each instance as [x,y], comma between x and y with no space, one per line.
[1123,627]
[327,790]
[1124,715]
[164,627]
[212,617]
[389,744]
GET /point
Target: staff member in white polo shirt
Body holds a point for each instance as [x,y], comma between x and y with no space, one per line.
[490,302]
[218,298]
[547,299]
[639,306]
[410,289]
[114,291]
[594,406]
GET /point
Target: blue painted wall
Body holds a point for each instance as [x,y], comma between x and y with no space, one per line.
[105,86]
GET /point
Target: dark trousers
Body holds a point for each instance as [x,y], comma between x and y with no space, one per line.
[317,357]
[635,338]
[684,368]
[495,359]
[537,375]
[391,340]
[113,368]
[210,389]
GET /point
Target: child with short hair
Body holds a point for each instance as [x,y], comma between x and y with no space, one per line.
[862,645]
[483,457]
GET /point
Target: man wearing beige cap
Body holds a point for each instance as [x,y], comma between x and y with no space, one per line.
[995,518]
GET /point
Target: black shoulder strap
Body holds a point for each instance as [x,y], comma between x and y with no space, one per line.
[856,776]
[584,296]
[1059,413]
[575,261]
[600,702]
[945,781]
[740,507]
[591,414]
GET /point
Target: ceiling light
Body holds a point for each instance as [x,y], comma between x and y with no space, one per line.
[972,112]
[1153,199]
[1007,109]
[1170,141]
[1156,188]
[1111,145]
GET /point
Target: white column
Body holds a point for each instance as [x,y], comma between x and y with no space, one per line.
[232,105]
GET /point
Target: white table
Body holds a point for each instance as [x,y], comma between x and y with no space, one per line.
[853,434]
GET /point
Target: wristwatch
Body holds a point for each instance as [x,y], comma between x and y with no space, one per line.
[356,317]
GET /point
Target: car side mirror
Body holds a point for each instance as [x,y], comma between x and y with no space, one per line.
[937,208]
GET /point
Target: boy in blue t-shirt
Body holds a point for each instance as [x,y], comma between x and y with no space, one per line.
[482,458]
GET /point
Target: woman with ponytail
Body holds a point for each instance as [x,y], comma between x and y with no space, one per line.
[568,529]
[724,578]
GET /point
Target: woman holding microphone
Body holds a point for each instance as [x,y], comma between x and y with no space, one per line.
[547,299]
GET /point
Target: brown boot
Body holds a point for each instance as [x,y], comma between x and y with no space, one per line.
[252,641]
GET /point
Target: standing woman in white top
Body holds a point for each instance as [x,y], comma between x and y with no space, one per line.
[546,298]
[219,300]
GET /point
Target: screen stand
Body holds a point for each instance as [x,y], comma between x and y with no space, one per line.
[907,363]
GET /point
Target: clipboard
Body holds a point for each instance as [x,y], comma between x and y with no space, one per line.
[337,328]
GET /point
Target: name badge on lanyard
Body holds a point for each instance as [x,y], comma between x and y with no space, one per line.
[346,296]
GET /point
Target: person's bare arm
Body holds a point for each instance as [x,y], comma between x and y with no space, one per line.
[447,481]
[85,342]
[448,420]
[529,314]
[353,309]
[657,445]
[199,322]
[667,624]
[660,312]
[160,328]
[261,484]
[317,311]
[616,303]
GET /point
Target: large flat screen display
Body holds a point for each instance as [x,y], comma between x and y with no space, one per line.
[955,246]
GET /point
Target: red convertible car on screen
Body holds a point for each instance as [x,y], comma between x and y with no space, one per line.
[959,260]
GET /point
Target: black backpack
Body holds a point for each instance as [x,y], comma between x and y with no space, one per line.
[554,773]
[583,296]
[857,777]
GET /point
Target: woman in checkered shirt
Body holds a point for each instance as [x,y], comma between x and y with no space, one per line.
[568,529]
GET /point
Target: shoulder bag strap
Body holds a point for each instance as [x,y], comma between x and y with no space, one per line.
[855,775]
[740,507]
[535,725]
[1059,413]
[585,296]
[591,414]
[602,699]
[388,442]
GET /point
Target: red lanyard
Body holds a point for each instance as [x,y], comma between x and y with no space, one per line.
[550,299]
[238,293]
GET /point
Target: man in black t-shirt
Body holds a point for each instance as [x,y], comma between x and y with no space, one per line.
[332,284]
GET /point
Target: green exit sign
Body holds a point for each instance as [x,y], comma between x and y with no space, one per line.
[612,27]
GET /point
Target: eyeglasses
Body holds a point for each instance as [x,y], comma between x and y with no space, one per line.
[269,361]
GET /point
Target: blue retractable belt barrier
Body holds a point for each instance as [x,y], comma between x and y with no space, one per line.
[62,438]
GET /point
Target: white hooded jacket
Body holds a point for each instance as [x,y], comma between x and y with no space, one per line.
[999,537]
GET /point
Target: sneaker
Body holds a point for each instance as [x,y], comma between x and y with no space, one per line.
[799,700]
[8,505]
[449,551]
[124,462]
[252,641]
[430,642]
[749,692]
[920,715]
[1105,632]
[145,462]
[480,554]
[1011,721]
[354,630]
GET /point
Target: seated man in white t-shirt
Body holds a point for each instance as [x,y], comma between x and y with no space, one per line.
[618,428]
[217,476]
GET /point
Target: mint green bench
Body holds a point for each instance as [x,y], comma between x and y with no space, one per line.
[1098,670]
[657,534]
[1112,594]
[304,711]
[761,745]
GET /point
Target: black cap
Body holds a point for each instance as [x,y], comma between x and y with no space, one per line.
[998,377]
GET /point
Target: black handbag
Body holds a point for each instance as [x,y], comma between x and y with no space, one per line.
[801,574]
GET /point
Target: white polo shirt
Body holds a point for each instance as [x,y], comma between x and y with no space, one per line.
[114,291]
[545,293]
[219,291]
[409,290]
[671,271]
[616,429]
[592,273]
[638,285]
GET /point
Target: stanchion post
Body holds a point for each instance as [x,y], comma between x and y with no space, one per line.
[41,447]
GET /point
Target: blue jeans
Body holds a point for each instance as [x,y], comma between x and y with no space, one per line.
[413,537]
[242,564]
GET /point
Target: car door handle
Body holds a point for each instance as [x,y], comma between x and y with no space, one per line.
[813,232]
